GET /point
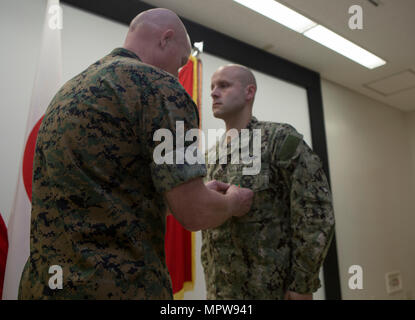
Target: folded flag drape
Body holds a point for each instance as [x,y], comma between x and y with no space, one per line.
[48,79]
[180,243]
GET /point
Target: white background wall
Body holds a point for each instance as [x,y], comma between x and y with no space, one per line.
[371,146]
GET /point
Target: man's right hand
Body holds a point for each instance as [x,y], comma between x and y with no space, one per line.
[241,200]
[198,206]
[217,186]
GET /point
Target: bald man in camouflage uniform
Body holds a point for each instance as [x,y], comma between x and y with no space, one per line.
[277,249]
[99,199]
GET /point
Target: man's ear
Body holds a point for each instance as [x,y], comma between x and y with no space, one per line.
[166,37]
[250,91]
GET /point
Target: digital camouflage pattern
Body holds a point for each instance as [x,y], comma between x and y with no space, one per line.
[281,243]
[97,203]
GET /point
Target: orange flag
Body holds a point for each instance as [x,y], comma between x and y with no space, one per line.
[180,243]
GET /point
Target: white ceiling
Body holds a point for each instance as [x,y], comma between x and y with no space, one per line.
[388,32]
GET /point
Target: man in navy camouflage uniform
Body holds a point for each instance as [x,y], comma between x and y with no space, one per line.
[99,199]
[277,249]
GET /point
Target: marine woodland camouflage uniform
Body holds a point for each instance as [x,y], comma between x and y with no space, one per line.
[281,243]
[97,207]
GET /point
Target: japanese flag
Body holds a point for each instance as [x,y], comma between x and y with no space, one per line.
[48,79]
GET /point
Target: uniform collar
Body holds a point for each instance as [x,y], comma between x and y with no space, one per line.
[122,52]
[252,123]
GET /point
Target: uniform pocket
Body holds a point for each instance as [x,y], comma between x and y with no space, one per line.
[256,183]
[264,196]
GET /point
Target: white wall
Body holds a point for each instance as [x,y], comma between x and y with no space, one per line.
[371,173]
[276,100]
[20,31]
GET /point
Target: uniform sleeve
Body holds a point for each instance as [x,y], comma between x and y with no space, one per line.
[171,109]
[311,210]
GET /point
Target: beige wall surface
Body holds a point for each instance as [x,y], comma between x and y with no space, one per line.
[410,127]
[372,180]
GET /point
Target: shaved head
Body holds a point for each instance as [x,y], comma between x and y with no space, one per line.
[240,73]
[160,39]
[159,18]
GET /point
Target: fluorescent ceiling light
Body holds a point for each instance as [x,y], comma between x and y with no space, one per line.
[314,31]
[343,46]
[279,13]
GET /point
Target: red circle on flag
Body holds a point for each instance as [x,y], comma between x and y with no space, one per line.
[28,156]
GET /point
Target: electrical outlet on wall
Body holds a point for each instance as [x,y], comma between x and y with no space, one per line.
[393,282]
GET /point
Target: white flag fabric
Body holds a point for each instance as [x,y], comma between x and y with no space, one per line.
[48,79]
